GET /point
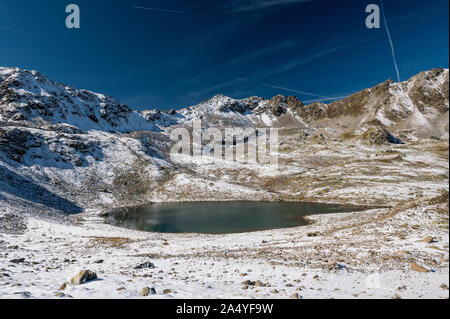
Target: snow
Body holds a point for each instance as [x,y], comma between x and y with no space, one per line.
[197,266]
[207,266]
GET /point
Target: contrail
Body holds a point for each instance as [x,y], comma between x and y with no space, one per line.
[159,10]
[321,97]
[390,41]
[20,31]
[287,89]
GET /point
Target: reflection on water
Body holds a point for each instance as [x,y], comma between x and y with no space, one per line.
[220,217]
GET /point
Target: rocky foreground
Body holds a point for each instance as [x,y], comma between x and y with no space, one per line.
[402,252]
[67,155]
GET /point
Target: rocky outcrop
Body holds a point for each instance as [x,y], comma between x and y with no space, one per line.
[15,142]
[376,135]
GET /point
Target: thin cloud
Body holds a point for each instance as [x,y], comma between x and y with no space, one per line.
[159,10]
[289,44]
[213,88]
[324,50]
[238,6]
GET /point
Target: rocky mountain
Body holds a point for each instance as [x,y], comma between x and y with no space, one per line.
[76,148]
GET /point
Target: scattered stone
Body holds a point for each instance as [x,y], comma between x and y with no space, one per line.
[167,291]
[63,286]
[148,291]
[248,283]
[416,267]
[120,289]
[316,234]
[444,286]
[17,261]
[147,265]
[100,261]
[336,266]
[296,296]
[25,294]
[83,277]
[275,291]
[396,296]
[429,240]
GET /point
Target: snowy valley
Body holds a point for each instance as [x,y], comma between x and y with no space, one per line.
[67,156]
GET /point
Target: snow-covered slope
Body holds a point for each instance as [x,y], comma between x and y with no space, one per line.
[28,96]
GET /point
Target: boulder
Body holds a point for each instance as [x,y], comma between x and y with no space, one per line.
[83,277]
[148,291]
[147,265]
[416,267]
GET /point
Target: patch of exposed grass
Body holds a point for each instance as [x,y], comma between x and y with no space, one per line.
[109,242]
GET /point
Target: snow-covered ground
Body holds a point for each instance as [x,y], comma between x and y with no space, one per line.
[66,151]
[353,255]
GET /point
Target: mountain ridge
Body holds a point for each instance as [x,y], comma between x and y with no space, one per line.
[28,95]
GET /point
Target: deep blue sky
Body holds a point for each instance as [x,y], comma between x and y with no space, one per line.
[171,59]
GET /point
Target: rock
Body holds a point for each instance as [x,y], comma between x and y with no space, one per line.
[259,283]
[100,261]
[63,286]
[376,135]
[418,268]
[147,291]
[336,266]
[147,265]
[296,296]
[248,283]
[167,291]
[444,286]
[429,240]
[17,261]
[274,291]
[316,234]
[396,296]
[83,277]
